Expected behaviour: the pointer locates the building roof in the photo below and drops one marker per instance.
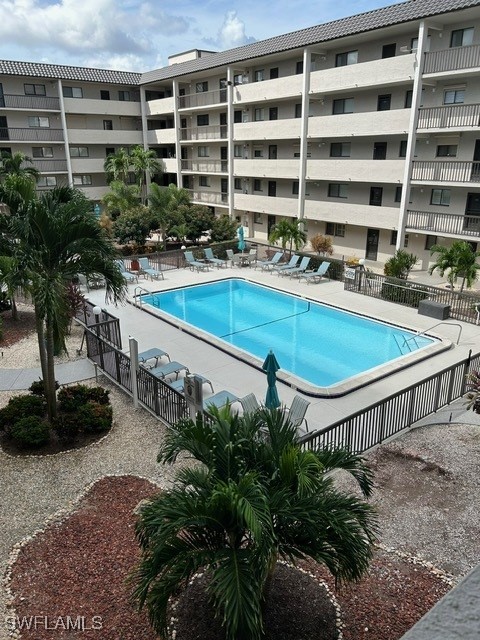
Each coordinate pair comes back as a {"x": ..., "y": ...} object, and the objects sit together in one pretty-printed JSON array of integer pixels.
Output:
[
  {"x": 361, "y": 23},
  {"x": 64, "y": 72}
]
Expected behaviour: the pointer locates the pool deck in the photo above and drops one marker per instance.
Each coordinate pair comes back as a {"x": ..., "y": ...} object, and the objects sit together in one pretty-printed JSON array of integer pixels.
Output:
[{"x": 226, "y": 372}]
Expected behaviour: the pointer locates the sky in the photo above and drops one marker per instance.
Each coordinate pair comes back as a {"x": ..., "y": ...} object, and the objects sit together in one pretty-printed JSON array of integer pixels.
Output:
[{"x": 139, "y": 35}]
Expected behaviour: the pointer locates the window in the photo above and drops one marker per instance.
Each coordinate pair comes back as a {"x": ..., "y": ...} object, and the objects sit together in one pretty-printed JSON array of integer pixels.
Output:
[
  {"x": 447, "y": 150},
  {"x": 384, "y": 102},
  {"x": 346, "y": 58},
  {"x": 238, "y": 151},
  {"x": 201, "y": 87},
  {"x": 388, "y": 50},
  {"x": 42, "y": 152},
  {"x": 440, "y": 197},
  {"x": 398, "y": 194},
  {"x": 394, "y": 236},
  {"x": 257, "y": 185},
  {"x": 203, "y": 120},
  {"x": 343, "y": 105},
  {"x": 273, "y": 73},
  {"x": 124, "y": 96},
  {"x": 104, "y": 94},
  {"x": 34, "y": 89},
  {"x": 408, "y": 98},
  {"x": 334, "y": 229},
  {"x": 379, "y": 150},
  {"x": 402, "y": 152},
  {"x": 259, "y": 115},
  {"x": 340, "y": 149},
  {"x": 108, "y": 125},
  {"x": 337, "y": 190},
  {"x": 259, "y": 75},
  {"x": 72, "y": 92},
  {"x": 273, "y": 113},
  {"x": 414, "y": 44},
  {"x": 257, "y": 218},
  {"x": 237, "y": 183},
  {"x": 237, "y": 116},
  {"x": 454, "y": 96},
  {"x": 298, "y": 110},
  {"x": 37, "y": 121},
  {"x": 131, "y": 178},
  {"x": 47, "y": 181},
  {"x": 461, "y": 37},
  {"x": 299, "y": 67},
  {"x": 80, "y": 181},
  {"x": 109, "y": 151},
  {"x": 203, "y": 152},
  {"x": 295, "y": 188},
  {"x": 238, "y": 78},
  {"x": 430, "y": 241},
  {"x": 258, "y": 153},
  {"x": 79, "y": 152},
  {"x": 203, "y": 181},
  {"x": 376, "y": 194}
]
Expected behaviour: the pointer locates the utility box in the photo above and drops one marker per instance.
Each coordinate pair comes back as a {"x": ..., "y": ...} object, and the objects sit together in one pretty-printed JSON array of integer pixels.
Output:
[
  {"x": 433, "y": 309},
  {"x": 193, "y": 390}
]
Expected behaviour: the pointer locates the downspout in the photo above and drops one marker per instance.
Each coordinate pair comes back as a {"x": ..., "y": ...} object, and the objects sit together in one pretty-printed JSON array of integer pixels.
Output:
[{"x": 65, "y": 133}]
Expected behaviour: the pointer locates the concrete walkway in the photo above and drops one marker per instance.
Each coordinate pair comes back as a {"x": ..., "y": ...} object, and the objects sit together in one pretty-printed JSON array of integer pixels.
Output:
[{"x": 17, "y": 379}]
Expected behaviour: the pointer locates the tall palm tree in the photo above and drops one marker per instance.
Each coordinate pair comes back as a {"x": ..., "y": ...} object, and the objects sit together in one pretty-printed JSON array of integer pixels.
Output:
[
  {"x": 56, "y": 238},
  {"x": 14, "y": 164},
  {"x": 117, "y": 164},
  {"x": 459, "y": 259},
  {"x": 288, "y": 231},
  {"x": 255, "y": 497},
  {"x": 121, "y": 198},
  {"x": 145, "y": 164},
  {"x": 165, "y": 203}
]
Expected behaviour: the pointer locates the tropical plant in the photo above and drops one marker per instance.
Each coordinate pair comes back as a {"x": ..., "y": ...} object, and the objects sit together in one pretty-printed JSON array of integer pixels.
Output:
[
  {"x": 322, "y": 244},
  {"x": 14, "y": 164},
  {"x": 121, "y": 198},
  {"x": 116, "y": 165},
  {"x": 473, "y": 388},
  {"x": 133, "y": 225},
  {"x": 198, "y": 220},
  {"x": 145, "y": 164},
  {"x": 164, "y": 204},
  {"x": 288, "y": 231},
  {"x": 223, "y": 228},
  {"x": 400, "y": 264},
  {"x": 459, "y": 259},
  {"x": 255, "y": 497}
]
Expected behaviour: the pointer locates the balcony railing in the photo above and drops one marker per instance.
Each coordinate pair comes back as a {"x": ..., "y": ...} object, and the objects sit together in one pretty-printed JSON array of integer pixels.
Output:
[
  {"x": 453, "y": 171},
  {"x": 452, "y": 59},
  {"x": 208, "y": 197},
  {"x": 46, "y": 103},
  {"x": 449, "y": 116},
  {"x": 209, "y": 132},
  {"x": 202, "y": 99},
  {"x": 33, "y": 134},
  {"x": 50, "y": 166},
  {"x": 205, "y": 166},
  {"x": 438, "y": 223}
]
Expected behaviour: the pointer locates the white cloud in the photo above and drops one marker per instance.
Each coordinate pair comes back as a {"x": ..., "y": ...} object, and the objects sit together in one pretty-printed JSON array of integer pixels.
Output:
[{"x": 232, "y": 33}]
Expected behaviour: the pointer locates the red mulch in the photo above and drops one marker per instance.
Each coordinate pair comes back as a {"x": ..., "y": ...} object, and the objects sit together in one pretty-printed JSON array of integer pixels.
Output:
[
  {"x": 79, "y": 567},
  {"x": 15, "y": 330}
]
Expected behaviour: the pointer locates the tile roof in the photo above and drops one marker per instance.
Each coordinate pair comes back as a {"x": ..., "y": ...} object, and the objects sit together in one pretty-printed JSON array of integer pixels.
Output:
[
  {"x": 63, "y": 72},
  {"x": 363, "y": 22}
]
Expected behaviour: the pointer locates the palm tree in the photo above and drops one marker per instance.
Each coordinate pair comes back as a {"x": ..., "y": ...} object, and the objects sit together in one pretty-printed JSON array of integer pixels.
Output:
[
  {"x": 145, "y": 164},
  {"x": 117, "y": 164},
  {"x": 164, "y": 204},
  {"x": 256, "y": 496},
  {"x": 56, "y": 238},
  {"x": 459, "y": 260},
  {"x": 13, "y": 164},
  {"x": 121, "y": 198},
  {"x": 288, "y": 231}
]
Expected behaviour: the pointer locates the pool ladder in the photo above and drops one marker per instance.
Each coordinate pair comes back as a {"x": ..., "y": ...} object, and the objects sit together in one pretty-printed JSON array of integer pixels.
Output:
[
  {"x": 137, "y": 296},
  {"x": 422, "y": 333}
]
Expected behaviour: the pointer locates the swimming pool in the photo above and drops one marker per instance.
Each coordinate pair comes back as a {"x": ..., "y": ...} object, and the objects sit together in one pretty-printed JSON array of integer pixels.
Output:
[{"x": 321, "y": 349}]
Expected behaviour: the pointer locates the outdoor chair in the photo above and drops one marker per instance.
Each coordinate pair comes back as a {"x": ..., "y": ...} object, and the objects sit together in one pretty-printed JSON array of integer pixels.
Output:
[
  {"x": 211, "y": 258},
  {"x": 297, "y": 411},
  {"x": 266, "y": 265},
  {"x": 290, "y": 264},
  {"x": 230, "y": 256},
  {"x": 195, "y": 264},
  {"x": 253, "y": 252},
  {"x": 219, "y": 400},
  {"x": 316, "y": 276},
  {"x": 128, "y": 275},
  {"x": 168, "y": 369},
  {"x": 147, "y": 269},
  {"x": 249, "y": 403},
  {"x": 152, "y": 354},
  {"x": 179, "y": 385},
  {"x": 296, "y": 271}
]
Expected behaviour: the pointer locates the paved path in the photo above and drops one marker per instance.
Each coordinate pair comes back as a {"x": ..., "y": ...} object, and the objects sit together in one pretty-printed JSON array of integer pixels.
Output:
[{"x": 16, "y": 379}]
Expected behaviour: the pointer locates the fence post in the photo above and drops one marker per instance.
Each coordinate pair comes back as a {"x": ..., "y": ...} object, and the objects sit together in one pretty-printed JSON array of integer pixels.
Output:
[{"x": 133, "y": 346}]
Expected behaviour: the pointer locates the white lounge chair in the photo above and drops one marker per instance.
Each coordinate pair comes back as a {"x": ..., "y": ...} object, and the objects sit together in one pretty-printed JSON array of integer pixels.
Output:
[
  {"x": 128, "y": 275},
  {"x": 297, "y": 411},
  {"x": 316, "y": 276},
  {"x": 249, "y": 403},
  {"x": 148, "y": 270}
]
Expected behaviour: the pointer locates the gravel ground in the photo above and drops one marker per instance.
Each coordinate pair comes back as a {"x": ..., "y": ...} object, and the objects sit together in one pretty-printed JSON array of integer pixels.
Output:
[{"x": 427, "y": 481}]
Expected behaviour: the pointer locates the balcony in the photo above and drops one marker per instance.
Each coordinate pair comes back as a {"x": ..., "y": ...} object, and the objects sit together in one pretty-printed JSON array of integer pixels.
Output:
[
  {"x": 162, "y": 106},
  {"x": 50, "y": 166},
  {"x": 352, "y": 213},
  {"x": 264, "y": 204},
  {"x": 118, "y": 137},
  {"x": 285, "y": 129},
  {"x": 209, "y": 132},
  {"x": 458, "y": 116},
  {"x": 366, "y": 170},
  {"x": 161, "y": 136},
  {"x": 89, "y": 106},
  {"x": 208, "y": 197},
  {"x": 265, "y": 168},
  {"x": 32, "y": 134},
  {"x": 448, "y": 224},
  {"x": 38, "y": 103},
  {"x": 277, "y": 89},
  {"x": 452, "y": 59},
  {"x": 202, "y": 99},
  {"x": 378, "y": 123},
  {"x": 205, "y": 166},
  {"x": 454, "y": 171}
]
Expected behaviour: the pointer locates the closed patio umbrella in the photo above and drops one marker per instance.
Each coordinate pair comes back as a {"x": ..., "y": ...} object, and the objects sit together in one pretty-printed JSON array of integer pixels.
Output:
[
  {"x": 241, "y": 238},
  {"x": 271, "y": 366}
]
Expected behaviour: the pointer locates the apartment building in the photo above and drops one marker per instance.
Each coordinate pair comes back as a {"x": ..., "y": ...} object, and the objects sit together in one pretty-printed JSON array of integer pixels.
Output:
[{"x": 365, "y": 128}]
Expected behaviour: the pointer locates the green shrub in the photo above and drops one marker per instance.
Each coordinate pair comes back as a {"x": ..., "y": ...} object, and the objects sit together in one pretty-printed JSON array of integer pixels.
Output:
[
  {"x": 67, "y": 426},
  {"x": 98, "y": 394},
  {"x": 30, "y": 432},
  {"x": 403, "y": 292},
  {"x": 20, "y": 407},
  {"x": 94, "y": 417},
  {"x": 37, "y": 388},
  {"x": 73, "y": 398}
]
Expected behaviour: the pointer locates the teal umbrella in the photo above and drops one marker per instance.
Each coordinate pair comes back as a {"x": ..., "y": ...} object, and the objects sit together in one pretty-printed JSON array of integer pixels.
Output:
[
  {"x": 241, "y": 238},
  {"x": 271, "y": 366}
]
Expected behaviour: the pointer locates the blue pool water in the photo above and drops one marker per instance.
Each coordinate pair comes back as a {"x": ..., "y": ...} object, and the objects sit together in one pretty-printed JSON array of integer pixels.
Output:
[{"x": 317, "y": 343}]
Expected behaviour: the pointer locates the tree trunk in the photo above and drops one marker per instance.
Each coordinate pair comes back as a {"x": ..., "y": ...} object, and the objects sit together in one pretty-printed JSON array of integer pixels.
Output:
[
  {"x": 14, "y": 308},
  {"x": 49, "y": 380},
  {"x": 268, "y": 580},
  {"x": 41, "y": 344}
]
